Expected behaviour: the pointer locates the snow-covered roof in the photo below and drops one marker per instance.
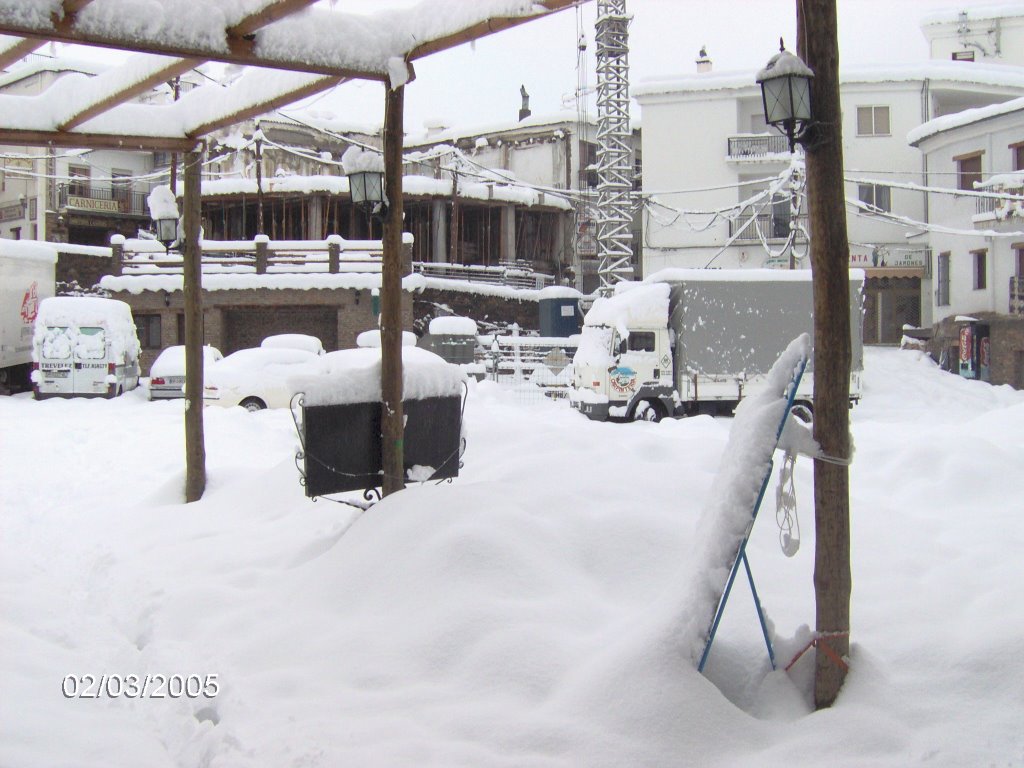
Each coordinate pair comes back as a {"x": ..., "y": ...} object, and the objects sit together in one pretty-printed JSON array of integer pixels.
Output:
[
  {"x": 452, "y": 325},
  {"x": 994, "y": 75},
  {"x": 302, "y": 281},
  {"x": 640, "y": 306},
  {"x": 974, "y": 13},
  {"x": 411, "y": 186},
  {"x": 30, "y": 250},
  {"x": 960, "y": 119},
  {"x": 453, "y": 133},
  {"x": 41, "y": 64}
]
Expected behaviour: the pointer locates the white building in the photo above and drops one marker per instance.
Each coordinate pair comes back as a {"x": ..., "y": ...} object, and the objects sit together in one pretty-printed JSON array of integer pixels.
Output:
[
  {"x": 80, "y": 196},
  {"x": 707, "y": 149},
  {"x": 992, "y": 33},
  {"x": 977, "y": 241}
]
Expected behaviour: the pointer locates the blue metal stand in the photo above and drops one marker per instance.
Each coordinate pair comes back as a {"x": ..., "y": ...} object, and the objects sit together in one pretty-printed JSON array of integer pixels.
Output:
[{"x": 741, "y": 553}]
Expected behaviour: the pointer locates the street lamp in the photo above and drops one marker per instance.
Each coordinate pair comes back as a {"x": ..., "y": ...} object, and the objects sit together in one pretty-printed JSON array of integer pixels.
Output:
[
  {"x": 786, "y": 92},
  {"x": 163, "y": 209},
  {"x": 365, "y": 171}
]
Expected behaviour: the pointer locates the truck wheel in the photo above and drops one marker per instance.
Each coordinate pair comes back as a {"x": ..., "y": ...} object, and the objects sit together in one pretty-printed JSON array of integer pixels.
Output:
[
  {"x": 803, "y": 412},
  {"x": 253, "y": 404},
  {"x": 649, "y": 411}
]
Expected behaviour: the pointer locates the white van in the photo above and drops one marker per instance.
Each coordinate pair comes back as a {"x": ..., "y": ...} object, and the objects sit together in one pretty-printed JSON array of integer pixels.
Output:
[{"x": 84, "y": 345}]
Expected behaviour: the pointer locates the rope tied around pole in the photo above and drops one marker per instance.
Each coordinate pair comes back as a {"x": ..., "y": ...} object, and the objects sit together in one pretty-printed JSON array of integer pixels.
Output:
[{"x": 818, "y": 641}]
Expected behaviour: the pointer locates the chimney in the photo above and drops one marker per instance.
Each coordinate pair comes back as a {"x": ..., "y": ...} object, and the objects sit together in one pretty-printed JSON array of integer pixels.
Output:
[
  {"x": 524, "y": 111},
  {"x": 703, "y": 62}
]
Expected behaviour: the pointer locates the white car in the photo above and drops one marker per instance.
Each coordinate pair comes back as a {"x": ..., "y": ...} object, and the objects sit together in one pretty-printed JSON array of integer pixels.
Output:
[
  {"x": 167, "y": 374},
  {"x": 258, "y": 378}
]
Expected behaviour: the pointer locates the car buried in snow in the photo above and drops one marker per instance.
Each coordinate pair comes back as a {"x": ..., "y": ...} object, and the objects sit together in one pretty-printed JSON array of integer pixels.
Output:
[
  {"x": 258, "y": 378},
  {"x": 167, "y": 374}
]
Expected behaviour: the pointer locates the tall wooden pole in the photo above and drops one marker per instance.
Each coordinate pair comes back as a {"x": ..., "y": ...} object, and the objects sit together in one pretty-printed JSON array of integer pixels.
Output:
[
  {"x": 830, "y": 258},
  {"x": 392, "y": 421},
  {"x": 195, "y": 447}
]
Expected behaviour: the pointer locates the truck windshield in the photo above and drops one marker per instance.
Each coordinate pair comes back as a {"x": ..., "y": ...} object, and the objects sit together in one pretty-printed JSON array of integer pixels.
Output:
[
  {"x": 56, "y": 344},
  {"x": 90, "y": 344}
]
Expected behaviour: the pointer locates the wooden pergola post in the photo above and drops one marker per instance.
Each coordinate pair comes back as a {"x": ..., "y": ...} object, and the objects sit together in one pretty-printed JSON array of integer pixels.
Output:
[
  {"x": 195, "y": 447},
  {"x": 392, "y": 421},
  {"x": 818, "y": 46}
]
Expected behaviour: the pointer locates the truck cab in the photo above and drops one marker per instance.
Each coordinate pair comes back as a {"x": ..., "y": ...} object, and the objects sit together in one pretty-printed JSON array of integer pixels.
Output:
[{"x": 623, "y": 366}]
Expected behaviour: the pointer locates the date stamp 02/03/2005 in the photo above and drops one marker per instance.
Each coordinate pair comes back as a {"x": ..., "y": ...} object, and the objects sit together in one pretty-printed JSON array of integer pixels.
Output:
[{"x": 140, "y": 686}]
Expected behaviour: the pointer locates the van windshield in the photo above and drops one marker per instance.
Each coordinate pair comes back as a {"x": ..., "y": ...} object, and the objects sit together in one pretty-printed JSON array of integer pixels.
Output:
[
  {"x": 56, "y": 344},
  {"x": 90, "y": 344}
]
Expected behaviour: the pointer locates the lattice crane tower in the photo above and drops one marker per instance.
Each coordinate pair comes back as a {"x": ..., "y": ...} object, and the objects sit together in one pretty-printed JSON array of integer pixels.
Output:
[{"x": 614, "y": 160}]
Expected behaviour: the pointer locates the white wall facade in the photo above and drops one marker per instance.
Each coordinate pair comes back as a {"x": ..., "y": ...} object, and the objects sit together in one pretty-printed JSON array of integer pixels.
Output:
[
  {"x": 993, "y": 33},
  {"x": 688, "y": 123},
  {"x": 994, "y": 235}
]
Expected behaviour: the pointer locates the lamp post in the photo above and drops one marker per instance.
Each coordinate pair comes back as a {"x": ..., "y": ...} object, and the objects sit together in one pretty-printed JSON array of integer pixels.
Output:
[
  {"x": 786, "y": 93},
  {"x": 163, "y": 209},
  {"x": 365, "y": 172}
]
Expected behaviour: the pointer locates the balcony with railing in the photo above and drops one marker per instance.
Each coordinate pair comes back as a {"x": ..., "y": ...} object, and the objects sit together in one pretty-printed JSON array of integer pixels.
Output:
[
  {"x": 758, "y": 146},
  {"x": 765, "y": 226},
  {"x": 114, "y": 200}
]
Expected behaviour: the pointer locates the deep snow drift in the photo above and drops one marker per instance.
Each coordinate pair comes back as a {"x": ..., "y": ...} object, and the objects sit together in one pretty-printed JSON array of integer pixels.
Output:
[{"x": 520, "y": 616}]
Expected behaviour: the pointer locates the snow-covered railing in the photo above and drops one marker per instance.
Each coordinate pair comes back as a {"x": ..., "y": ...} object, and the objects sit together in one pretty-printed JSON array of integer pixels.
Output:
[
  {"x": 259, "y": 256},
  {"x": 512, "y": 277},
  {"x": 546, "y": 361}
]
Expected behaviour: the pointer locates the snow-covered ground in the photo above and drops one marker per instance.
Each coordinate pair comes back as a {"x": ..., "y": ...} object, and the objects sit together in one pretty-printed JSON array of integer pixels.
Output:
[{"x": 516, "y": 617}]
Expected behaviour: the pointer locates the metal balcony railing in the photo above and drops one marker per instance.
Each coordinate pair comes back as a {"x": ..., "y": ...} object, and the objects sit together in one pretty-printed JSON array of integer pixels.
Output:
[
  {"x": 110, "y": 200},
  {"x": 770, "y": 226},
  {"x": 757, "y": 145}
]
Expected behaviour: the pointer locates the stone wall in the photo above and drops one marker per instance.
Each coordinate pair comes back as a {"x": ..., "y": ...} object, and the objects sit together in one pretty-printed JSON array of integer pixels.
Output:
[{"x": 485, "y": 310}]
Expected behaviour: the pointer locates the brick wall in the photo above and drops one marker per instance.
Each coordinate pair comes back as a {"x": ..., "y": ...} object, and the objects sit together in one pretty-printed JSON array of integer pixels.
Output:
[
  {"x": 235, "y": 319},
  {"x": 1006, "y": 338},
  {"x": 82, "y": 269}
]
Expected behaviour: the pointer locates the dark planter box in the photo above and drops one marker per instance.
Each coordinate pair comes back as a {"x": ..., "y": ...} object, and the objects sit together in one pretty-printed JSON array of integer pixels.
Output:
[{"x": 342, "y": 443}]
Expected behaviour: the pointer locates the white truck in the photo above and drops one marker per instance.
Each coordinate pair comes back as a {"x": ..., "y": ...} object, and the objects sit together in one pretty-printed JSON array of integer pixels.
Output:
[
  {"x": 688, "y": 341},
  {"x": 84, "y": 346},
  {"x": 26, "y": 278}
]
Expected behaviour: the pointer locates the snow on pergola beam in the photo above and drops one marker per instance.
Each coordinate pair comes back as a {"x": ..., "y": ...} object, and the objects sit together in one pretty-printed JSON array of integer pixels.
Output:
[
  {"x": 316, "y": 49},
  {"x": 283, "y": 34}
]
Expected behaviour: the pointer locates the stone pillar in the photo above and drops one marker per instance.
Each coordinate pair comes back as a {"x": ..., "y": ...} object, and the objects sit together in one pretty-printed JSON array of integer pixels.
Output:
[
  {"x": 439, "y": 231},
  {"x": 334, "y": 254},
  {"x": 116, "y": 254},
  {"x": 262, "y": 248},
  {"x": 507, "y": 252}
]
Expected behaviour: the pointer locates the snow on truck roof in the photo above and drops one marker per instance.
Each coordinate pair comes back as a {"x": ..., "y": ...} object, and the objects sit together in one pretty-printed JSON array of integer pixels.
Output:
[
  {"x": 84, "y": 310},
  {"x": 638, "y": 306},
  {"x": 29, "y": 250}
]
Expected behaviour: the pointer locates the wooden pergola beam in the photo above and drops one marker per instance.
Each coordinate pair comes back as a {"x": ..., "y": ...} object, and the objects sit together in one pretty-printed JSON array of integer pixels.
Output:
[
  {"x": 17, "y": 50},
  {"x": 265, "y": 105},
  {"x": 169, "y": 72},
  {"x": 274, "y": 12},
  {"x": 484, "y": 28},
  {"x": 96, "y": 141}
]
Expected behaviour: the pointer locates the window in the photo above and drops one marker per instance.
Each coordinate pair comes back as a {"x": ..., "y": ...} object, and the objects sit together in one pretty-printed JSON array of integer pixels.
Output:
[
  {"x": 873, "y": 121},
  {"x": 1018, "y": 251},
  {"x": 79, "y": 183},
  {"x": 1017, "y": 156},
  {"x": 942, "y": 280},
  {"x": 641, "y": 341},
  {"x": 963, "y": 55},
  {"x": 15, "y": 233},
  {"x": 968, "y": 170},
  {"x": 121, "y": 185},
  {"x": 148, "y": 327},
  {"x": 877, "y": 196},
  {"x": 980, "y": 277},
  {"x": 588, "y": 164}
]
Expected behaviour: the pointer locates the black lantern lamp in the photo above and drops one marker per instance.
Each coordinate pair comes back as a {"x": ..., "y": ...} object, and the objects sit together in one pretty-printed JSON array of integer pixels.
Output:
[
  {"x": 365, "y": 172},
  {"x": 786, "y": 91},
  {"x": 367, "y": 190},
  {"x": 163, "y": 209}
]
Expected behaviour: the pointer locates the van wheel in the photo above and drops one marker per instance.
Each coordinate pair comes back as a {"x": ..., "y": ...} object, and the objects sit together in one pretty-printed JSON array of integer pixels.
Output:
[
  {"x": 649, "y": 411},
  {"x": 253, "y": 404},
  {"x": 803, "y": 412}
]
